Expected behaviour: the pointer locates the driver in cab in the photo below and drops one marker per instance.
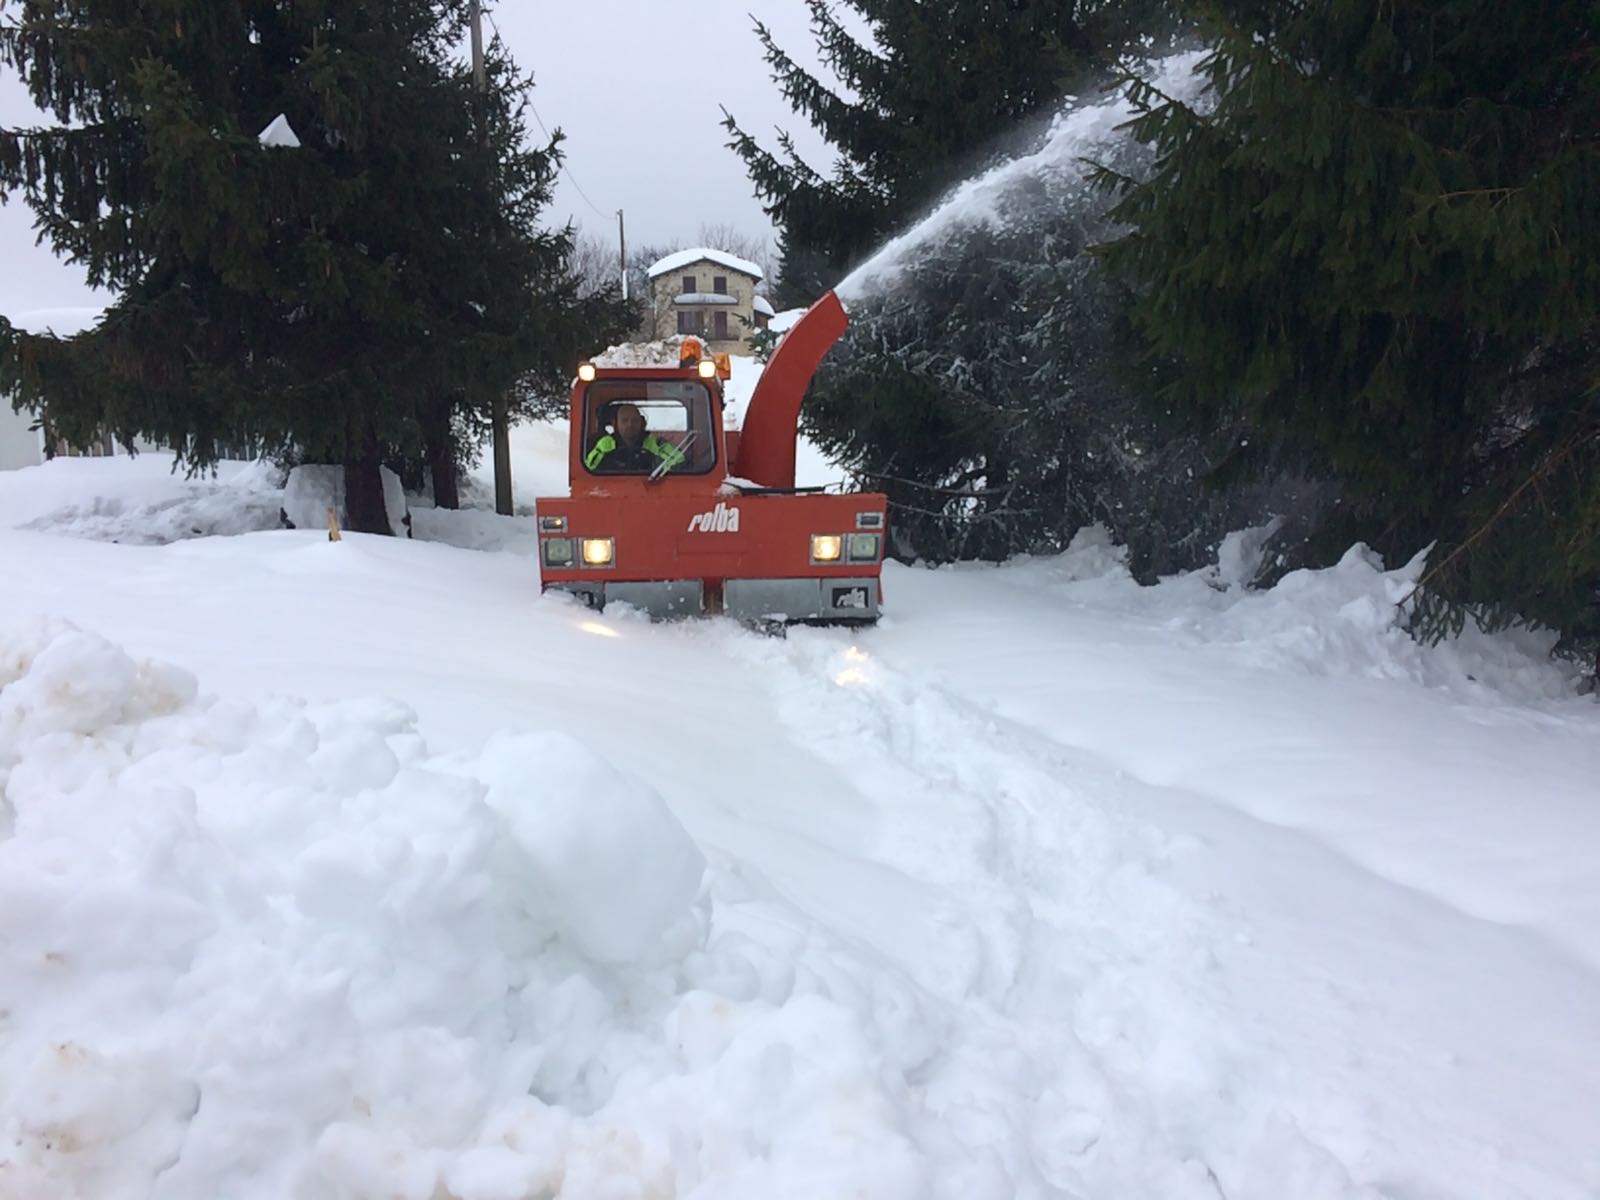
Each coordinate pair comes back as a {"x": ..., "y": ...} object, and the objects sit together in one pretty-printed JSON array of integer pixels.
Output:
[{"x": 632, "y": 447}]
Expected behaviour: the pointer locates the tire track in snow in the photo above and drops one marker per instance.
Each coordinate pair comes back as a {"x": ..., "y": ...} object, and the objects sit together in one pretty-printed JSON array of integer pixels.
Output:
[{"x": 1092, "y": 1052}]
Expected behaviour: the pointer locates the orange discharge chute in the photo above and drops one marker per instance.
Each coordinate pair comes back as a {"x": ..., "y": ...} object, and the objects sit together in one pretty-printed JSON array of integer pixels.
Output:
[{"x": 772, "y": 421}]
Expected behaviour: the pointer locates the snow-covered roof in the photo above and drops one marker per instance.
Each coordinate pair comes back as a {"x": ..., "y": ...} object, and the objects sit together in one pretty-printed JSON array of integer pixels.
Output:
[
  {"x": 683, "y": 258},
  {"x": 764, "y": 308},
  {"x": 705, "y": 298}
]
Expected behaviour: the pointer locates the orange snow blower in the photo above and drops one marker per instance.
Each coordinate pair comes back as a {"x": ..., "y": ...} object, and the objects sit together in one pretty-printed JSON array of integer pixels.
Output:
[{"x": 676, "y": 513}]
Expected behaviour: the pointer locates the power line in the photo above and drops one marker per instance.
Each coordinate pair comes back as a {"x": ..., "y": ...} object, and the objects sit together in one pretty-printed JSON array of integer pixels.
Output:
[{"x": 565, "y": 170}]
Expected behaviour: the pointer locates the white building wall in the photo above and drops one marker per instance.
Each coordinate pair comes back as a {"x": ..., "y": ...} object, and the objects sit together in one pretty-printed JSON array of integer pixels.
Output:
[{"x": 19, "y": 445}]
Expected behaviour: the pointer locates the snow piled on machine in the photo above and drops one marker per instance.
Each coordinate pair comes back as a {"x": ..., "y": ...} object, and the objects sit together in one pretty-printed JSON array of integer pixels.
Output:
[
  {"x": 665, "y": 352},
  {"x": 661, "y": 353}
]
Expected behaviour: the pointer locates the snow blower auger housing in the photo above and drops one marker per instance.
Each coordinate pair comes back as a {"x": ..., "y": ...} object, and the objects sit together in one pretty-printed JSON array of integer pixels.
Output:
[{"x": 676, "y": 513}]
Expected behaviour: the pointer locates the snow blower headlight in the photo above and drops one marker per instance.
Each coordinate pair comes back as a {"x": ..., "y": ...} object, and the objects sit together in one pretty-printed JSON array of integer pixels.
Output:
[
  {"x": 586, "y": 372},
  {"x": 863, "y": 547},
  {"x": 826, "y": 547},
  {"x": 557, "y": 552},
  {"x": 598, "y": 552},
  {"x": 707, "y": 368}
]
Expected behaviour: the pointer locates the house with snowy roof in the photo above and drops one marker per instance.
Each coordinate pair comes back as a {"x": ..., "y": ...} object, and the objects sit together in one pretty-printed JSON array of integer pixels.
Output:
[{"x": 710, "y": 294}]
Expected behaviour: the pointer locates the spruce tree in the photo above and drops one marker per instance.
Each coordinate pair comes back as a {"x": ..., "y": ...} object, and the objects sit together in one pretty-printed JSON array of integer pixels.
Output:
[
  {"x": 1379, "y": 246},
  {"x": 971, "y": 391},
  {"x": 354, "y": 297},
  {"x": 506, "y": 312},
  {"x": 913, "y": 110}
]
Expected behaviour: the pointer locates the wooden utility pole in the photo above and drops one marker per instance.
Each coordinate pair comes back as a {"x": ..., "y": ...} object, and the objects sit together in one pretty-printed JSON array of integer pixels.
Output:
[
  {"x": 622, "y": 254},
  {"x": 500, "y": 413},
  {"x": 478, "y": 76}
]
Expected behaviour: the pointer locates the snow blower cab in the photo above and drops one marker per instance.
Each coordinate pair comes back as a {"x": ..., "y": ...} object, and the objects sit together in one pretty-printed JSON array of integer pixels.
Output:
[{"x": 673, "y": 512}]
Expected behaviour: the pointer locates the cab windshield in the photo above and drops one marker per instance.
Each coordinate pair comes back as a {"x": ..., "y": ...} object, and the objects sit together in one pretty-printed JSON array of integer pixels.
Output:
[{"x": 648, "y": 427}]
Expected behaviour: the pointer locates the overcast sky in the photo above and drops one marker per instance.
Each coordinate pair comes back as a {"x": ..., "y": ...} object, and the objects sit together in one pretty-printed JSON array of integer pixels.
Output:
[{"x": 634, "y": 84}]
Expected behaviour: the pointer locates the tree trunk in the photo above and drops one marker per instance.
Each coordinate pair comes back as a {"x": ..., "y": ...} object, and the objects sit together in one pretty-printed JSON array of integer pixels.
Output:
[
  {"x": 364, "y": 510},
  {"x": 995, "y": 541},
  {"x": 441, "y": 452},
  {"x": 447, "y": 492}
]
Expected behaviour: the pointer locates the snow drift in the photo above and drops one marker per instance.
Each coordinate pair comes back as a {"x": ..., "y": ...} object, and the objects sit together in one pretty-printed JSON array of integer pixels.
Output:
[{"x": 277, "y": 950}]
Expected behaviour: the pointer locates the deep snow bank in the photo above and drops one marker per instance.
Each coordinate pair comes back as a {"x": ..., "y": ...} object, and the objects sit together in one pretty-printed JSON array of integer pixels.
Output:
[
  {"x": 143, "y": 502},
  {"x": 1346, "y": 620},
  {"x": 140, "y": 501},
  {"x": 277, "y": 951}
]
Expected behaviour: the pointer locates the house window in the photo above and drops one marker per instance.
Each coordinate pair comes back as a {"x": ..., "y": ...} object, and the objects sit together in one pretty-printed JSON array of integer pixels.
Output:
[
  {"x": 719, "y": 284},
  {"x": 690, "y": 321},
  {"x": 719, "y": 324},
  {"x": 688, "y": 285}
]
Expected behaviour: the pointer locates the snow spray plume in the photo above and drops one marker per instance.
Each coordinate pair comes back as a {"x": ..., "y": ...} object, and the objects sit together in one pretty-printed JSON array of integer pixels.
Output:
[
  {"x": 981, "y": 386},
  {"x": 1054, "y": 174}
]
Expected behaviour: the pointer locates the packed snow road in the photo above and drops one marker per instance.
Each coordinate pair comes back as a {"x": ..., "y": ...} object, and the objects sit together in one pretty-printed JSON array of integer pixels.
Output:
[{"x": 1050, "y": 886}]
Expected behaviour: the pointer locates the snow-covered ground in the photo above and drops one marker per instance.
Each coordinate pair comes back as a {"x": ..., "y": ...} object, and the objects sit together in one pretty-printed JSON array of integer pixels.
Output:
[{"x": 361, "y": 870}]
